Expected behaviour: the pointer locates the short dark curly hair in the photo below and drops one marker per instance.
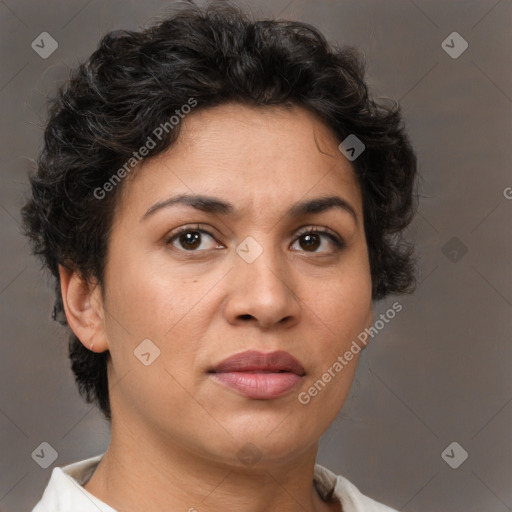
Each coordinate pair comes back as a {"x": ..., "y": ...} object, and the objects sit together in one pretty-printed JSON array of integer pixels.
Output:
[{"x": 136, "y": 80}]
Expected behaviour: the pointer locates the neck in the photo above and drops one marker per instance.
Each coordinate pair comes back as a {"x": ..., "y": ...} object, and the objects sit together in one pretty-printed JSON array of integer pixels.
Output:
[{"x": 140, "y": 472}]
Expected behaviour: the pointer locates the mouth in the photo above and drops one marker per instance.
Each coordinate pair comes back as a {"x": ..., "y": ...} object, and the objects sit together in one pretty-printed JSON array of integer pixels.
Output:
[{"x": 259, "y": 375}]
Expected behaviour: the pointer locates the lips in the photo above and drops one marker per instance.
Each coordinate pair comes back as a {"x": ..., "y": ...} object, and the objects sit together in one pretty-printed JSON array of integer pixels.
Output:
[{"x": 259, "y": 375}]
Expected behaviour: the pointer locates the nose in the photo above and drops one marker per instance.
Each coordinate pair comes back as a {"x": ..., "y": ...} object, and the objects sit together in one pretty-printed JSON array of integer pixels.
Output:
[{"x": 263, "y": 292}]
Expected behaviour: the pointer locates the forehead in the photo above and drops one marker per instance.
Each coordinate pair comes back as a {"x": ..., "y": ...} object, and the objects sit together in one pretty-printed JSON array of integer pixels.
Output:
[{"x": 254, "y": 156}]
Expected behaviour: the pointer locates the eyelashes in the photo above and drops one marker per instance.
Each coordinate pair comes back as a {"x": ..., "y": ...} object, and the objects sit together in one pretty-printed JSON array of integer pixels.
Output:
[
  {"x": 312, "y": 231},
  {"x": 190, "y": 238}
]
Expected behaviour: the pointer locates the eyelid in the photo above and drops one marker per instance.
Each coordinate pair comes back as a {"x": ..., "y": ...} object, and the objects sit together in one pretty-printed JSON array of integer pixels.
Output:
[
  {"x": 321, "y": 230},
  {"x": 325, "y": 231},
  {"x": 184, "y": 229},
  {"x": 318, "y": 229}
]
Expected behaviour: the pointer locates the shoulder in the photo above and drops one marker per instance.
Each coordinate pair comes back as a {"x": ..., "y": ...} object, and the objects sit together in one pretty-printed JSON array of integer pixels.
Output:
[
  {"x": 64, "y": 491},
  {"x": 349, "y": 496}
]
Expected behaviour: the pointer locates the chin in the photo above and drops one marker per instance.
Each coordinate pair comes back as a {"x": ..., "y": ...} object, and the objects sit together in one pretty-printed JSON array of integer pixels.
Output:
[{"x": 263, "y": 445}]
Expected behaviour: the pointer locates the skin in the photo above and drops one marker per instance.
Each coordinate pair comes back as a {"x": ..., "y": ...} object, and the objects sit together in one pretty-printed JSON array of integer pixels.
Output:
[{"x": 175, "y": 431}]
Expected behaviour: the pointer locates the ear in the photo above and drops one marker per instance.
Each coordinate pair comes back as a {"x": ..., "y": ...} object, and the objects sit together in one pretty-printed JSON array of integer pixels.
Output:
[{"x": 84, "y": 310}]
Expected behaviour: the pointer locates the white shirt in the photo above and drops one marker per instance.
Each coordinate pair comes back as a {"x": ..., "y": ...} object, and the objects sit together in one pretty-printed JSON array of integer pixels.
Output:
[{"x": 64, "y": 492}]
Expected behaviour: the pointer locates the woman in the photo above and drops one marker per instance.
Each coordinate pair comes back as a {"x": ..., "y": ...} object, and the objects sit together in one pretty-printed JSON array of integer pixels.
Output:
[{"x": 220, "y": 203}]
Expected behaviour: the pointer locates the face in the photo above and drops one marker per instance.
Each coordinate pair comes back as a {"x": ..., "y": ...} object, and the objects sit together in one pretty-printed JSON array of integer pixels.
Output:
[{"x": 254, "y": 269}]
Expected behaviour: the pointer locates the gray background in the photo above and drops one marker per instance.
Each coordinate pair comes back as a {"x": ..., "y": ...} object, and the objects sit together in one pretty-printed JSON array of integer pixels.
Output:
[{"x": 438, "y": 373}]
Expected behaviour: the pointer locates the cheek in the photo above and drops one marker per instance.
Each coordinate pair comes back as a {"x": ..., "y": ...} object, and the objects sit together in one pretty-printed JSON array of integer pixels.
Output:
[
  {"x": 342, "y": 311},
  {"x": 345, "y": 304},
  {"x": 165, "y": 307},
  {"x": 148, "y": 301},
  {"x": 146, "y": 305}
]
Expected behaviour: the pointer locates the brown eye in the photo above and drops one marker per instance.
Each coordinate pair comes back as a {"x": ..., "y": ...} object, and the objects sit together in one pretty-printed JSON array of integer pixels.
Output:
[
  {"x": 190, "y": 239},
  {"x": 312, "y": 239}
]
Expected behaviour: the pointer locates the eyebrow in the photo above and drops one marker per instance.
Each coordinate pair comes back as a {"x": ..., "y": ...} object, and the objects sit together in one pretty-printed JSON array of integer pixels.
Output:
[{"x": 214, "y": 205}]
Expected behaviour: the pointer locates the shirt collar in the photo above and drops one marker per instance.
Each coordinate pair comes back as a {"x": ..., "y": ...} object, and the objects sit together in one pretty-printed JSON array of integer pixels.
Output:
[{"x": 64, "y": 491}]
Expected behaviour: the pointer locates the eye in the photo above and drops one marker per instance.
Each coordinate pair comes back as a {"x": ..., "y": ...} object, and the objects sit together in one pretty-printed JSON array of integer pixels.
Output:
[
  {"x": 190, "y": 239},
  {"x": 312, "y": 238}
]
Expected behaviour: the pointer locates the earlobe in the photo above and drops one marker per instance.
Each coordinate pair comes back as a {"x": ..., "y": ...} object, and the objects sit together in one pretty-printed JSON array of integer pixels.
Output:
[{"x": 84, "y": 309}]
